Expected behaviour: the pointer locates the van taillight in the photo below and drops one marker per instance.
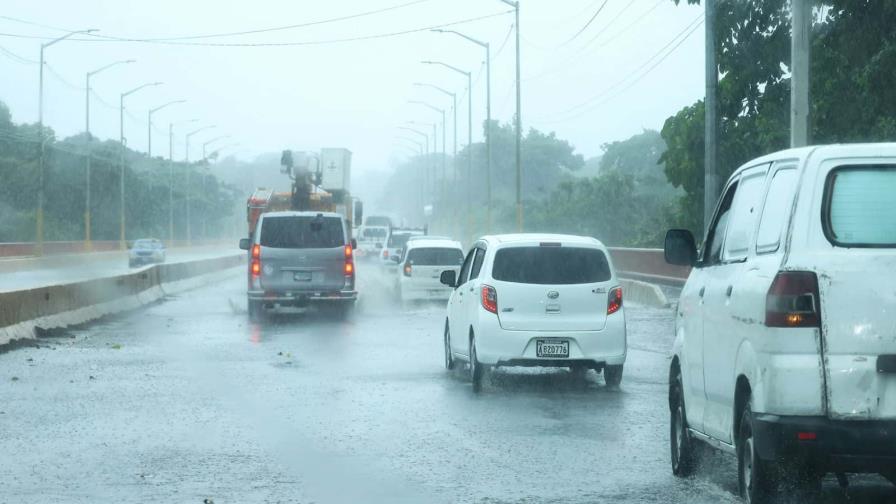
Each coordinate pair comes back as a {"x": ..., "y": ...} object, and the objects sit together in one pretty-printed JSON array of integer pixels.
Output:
[
  {"x": 256, "y": 251},
  {"x": 349, "y": 268},
  {"x": 792, "y": 300},
  {"x": 256, "y": 267},
  {"x": 408, "y": 269},
  {"x": 614, "y": 300},
  {"x": 348, "y": 251},
  {"x": 490, "y": 298}
]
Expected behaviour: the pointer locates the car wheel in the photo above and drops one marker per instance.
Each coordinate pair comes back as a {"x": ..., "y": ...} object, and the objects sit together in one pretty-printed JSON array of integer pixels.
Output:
[
  {"x": 756, "y": 478},
  {"x": 255, "y": 311},
  {"x": 613, "y": 375},
  {"x": 449, "y": 357},
  {"x": 476, "y": 369},
  {"x": 685, "y": 455}
]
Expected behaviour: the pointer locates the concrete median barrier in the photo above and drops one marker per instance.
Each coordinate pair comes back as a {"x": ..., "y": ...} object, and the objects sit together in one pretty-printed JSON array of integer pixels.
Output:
[
  {"x": 24, "y": 312},
  {"x": 643, "y": 293}
]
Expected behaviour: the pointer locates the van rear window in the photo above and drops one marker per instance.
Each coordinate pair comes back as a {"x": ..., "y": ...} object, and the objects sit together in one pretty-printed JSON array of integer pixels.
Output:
[
  {"x": 860, "y": 209},
  {"x": 302, "y": 232},
  {"x": 551, "y": 265}
]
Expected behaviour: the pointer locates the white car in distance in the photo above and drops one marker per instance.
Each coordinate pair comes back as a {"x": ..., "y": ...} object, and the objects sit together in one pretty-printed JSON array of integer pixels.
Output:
[
  {"x": 421, "y": 266},
  {"x": 536, "y": 300}
]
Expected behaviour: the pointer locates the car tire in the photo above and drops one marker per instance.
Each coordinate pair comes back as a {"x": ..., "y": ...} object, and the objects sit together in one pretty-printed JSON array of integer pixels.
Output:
[
  {"x": 756, "y": 478},
  {"x": 685, "y": 454},
  {"x": 255, "y": 311},
  {"x": 613, "y": 375},
  {"x": 477, "y": 372},
  {"x": 450, "y": 364}
]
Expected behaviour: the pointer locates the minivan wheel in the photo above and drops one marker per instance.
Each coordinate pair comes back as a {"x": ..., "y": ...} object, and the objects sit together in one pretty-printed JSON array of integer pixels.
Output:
[
  {"x": 476, "y": 369},
  {"x": 613, "y": 375},
  {"x": 755, "y": 477},
  {"x": 685, "y": 454},
  {"x": 449, "y": 357}
]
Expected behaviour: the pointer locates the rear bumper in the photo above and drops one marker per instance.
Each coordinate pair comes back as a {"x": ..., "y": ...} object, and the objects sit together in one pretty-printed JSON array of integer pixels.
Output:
[
  {"x": 302, "y": 298},
  {"x": 861, "y": 446}
]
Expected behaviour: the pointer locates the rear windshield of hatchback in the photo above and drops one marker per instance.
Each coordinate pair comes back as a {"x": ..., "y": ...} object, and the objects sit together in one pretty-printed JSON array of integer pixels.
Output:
[
  {"x": 302, "y": 232},
  {"x": 435, "y": 256},
  {"x": 860, "y": 208},
  {"x": 551, "y": 265}
]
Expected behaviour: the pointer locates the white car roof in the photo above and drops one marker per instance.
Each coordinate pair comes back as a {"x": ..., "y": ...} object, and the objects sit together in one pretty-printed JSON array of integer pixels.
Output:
[
  {"x": 535, "y": 238},
  {"x": 436, "y": 243},
  {"x": 865, "y": 150}
]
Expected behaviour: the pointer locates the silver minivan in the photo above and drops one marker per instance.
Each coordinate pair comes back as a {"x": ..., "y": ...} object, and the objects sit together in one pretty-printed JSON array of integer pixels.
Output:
[{"x": 300, "y": 258}]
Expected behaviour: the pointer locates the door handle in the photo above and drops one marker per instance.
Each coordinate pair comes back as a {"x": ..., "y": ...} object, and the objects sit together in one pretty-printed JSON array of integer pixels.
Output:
[
  {"x": 702, "y": 290},
  {"x": 728, "y": 292}
]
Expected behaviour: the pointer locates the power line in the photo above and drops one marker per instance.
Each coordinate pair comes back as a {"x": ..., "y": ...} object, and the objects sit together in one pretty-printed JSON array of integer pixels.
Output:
[
  {"x": 636, "y": 79},
  {"x": 276, "y": 44},
  {"x": 586, "y": 24},
  {"x": 18, "y": 59},
  {"x": 56, "y": 75},
  {"x": 503, "y": 44}
]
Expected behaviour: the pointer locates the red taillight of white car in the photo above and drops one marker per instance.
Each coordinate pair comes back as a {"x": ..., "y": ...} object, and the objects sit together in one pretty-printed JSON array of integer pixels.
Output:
[
  {"x": 408, "y": 269},
  {"x": 385, "y": 254},
  {"x": 489, "y": 298},
  {"x": 792, "y": 300},
  {"x": 614, "y": 300}
]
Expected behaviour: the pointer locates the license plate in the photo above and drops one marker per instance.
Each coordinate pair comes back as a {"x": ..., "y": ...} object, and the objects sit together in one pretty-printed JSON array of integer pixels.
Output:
[
  {"x": 302, "y": 276},
  {"x": 551, "y": 348}
]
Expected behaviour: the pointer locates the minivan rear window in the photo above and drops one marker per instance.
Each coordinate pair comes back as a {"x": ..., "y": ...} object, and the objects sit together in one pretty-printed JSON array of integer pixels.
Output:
[
  {"x": 551, "y": 265},
  {"x": 860, "y": 207},
  {"x": 302, "y": 232},
  {"x": 435, "y": 256}
]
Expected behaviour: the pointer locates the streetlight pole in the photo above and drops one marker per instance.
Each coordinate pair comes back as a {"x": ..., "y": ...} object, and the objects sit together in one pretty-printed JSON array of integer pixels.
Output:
[
  {"x": 171, "y": 178},
  {"x": 39, "y": 221},
  {"x": 187, "y": 184},
  {"x": 444, "y": 154},
  {"x": 121, "y": 228},
  {"x": 205, "y": 182},
  {"x": 423, "y": 177},
  {"x": 469, "y": 139},
  {"x": 149, "y": 124},
  {"x": 488, "y": 122},
  {"x": 454, "y": 121},
  {"x": 518, "y": 119},
  {"x": 87, "y": 242}
]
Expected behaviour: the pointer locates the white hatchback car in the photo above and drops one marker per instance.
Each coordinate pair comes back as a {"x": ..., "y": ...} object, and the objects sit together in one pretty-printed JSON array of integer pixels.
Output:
[
  {"x": 421, "y": 266},
  {"x": 536, "y": 300},
  {"x": 785, "y": 337}
]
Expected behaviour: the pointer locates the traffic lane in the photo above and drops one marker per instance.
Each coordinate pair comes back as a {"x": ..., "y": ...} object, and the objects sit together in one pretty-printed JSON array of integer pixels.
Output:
[
  {"x": 54, "y": 270},
  {"x": 189, "y": 401}
]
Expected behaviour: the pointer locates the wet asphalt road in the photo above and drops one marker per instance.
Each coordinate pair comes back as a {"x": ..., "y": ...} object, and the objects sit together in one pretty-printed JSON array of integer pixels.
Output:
[{"x": 185, "y": 400}]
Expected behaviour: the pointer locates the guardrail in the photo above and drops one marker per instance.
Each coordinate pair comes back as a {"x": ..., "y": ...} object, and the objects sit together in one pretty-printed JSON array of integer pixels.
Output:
[
  {"x": 29, "y": 249},
  {"x": 648, "y": 265}
]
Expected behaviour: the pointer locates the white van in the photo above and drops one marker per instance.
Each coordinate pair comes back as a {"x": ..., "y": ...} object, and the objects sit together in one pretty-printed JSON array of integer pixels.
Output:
[{"x": 785, "y": 338}]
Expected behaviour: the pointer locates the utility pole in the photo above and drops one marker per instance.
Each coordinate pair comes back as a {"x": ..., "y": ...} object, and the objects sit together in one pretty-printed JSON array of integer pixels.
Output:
[
  {"x": 149, "y": 124},
  {"x": 518, "y": 120},
  {"x": 801, "y": 12},
  {"x": 187, "y": 183},
  {"x": 87, "y": 243},
  {"x": 423, "y": 177},
  {"x": 488, "y": 122},
  {"x": 171, "y": 178},
  {"x": 39, "y": 221},
  {"x": 122, "y": 244},
  {"x": 711, "y": 152}
]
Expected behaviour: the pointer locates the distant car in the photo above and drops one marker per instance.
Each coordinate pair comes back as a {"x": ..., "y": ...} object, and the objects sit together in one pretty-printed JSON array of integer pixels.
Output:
[
  {"x": 371, "y": 240},
  {"x": 395, "y": 244},
  {"x": 298, "y": 259},
  {"x": 536, "y": 300},
  {"x": 785, "y": 335},
  {"x": 421, "y": 267},
  {"x": 146, "y": 251}
]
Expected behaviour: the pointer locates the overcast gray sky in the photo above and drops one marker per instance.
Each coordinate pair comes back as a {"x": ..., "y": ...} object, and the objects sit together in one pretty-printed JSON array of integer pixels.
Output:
[{"x": 589, "y": 89}]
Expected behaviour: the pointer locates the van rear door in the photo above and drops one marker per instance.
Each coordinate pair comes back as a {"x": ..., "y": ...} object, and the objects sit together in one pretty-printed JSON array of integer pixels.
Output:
[
  {"x": 552, "y": 287},
  {"x": 857, "y": 288},
  {"x": 302, "y": 253},
  {"x": 426, "y": 264}
]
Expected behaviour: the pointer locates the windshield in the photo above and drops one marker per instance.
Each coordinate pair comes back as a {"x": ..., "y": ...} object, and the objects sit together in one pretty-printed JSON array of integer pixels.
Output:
[
  {"x": 551, "y": 265},
  {"x": 568, "y": 252},
  {"x": 435, "y": 256},
  {"x": 302, "y": 232}
]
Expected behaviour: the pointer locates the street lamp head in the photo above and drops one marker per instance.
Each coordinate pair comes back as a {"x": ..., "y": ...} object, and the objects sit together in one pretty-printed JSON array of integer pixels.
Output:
[
  {"x": 130, "y": 61},
  {"x": 92, "y": 30}
]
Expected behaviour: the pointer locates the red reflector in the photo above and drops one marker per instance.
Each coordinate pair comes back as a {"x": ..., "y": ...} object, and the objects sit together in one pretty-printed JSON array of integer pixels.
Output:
[
  {"x": 806, "y": 436},
  {"x": 490, "y": 298},
  {"x": 614, "y": 301},
  {"x": 256, "y": 251}
]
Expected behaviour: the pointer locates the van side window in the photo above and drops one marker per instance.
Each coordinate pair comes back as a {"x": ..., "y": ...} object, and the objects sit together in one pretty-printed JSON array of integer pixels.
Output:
[
  {"x": 713, "y": 248},
  {"x": 465, "y": 269},
  {"x": 776, "y": 210},
  {"x": 744, "y": 213},
  {"x": 477, "y": 263}
]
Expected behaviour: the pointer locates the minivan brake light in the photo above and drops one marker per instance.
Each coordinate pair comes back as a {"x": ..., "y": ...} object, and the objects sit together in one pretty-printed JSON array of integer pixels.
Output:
[{"x": 792, "y": 300}]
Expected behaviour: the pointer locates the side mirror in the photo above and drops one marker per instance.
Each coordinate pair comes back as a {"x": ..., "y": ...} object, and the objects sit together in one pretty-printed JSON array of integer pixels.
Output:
[
  {"x": 449, "y": 278},
  {"x": 396, "y": 259},
  {"x": 244, "y": 244},
  {"x": 354, "y": 243},
  {"x": 680, "y": 248}
]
